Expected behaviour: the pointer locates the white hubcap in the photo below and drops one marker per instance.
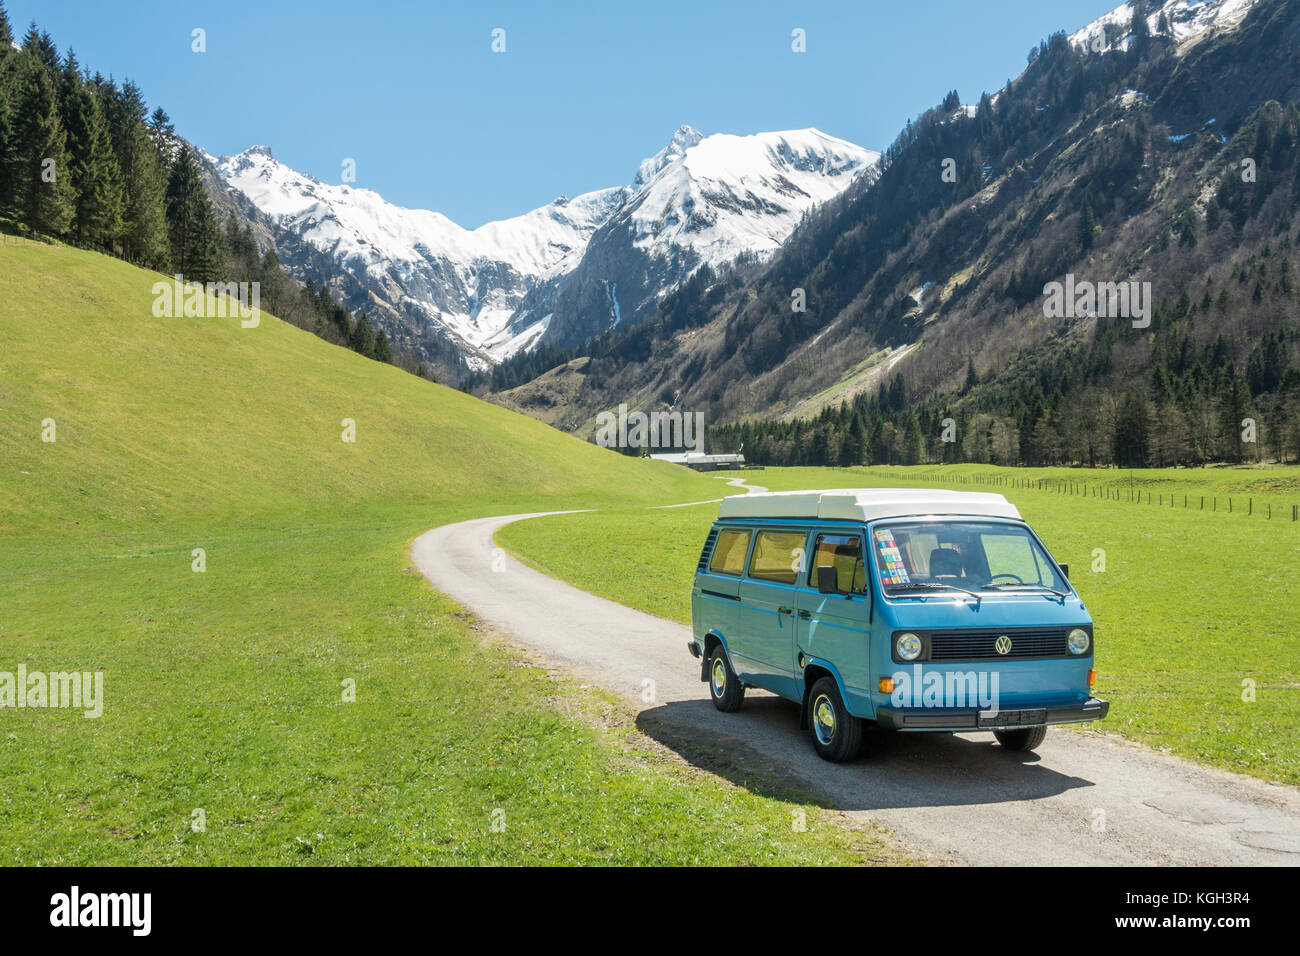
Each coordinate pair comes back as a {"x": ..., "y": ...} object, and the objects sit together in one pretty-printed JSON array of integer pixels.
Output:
[
  {"x": 824, "y": 719},
  {"x": 719, "y": 677}
]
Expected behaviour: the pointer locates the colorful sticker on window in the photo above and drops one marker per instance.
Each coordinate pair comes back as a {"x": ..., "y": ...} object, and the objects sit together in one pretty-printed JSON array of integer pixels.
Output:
[{"x": 892, "y": 571}]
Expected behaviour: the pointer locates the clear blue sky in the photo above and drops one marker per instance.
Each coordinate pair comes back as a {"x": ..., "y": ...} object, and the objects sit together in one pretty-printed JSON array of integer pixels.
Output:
[{"x": 411, "y": 90}]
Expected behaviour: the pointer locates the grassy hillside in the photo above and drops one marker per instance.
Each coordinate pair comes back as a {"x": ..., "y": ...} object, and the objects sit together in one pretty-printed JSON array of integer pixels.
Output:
[
  {"x": 225, "y": 689},
  {"x": 160, "y": 419},
  {"x": 1189, "y": 603}
]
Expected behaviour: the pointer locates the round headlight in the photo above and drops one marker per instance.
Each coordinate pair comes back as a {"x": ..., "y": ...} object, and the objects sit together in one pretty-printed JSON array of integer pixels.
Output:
[
  {"x": 908, "y": 647},
  {"x": 1079, "y": 641}
]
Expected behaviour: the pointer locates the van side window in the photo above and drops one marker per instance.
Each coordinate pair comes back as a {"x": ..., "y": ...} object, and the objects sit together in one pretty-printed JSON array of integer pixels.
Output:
[
  {"x": 778, "y": 556},
  {"x": 729, "y": 553},
  {"x": 843, "y": 552}
]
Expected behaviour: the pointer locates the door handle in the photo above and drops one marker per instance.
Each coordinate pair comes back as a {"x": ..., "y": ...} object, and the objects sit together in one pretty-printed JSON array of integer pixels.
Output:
[
  {"x": 785, "y": 610},
  {"x": 805, "y": 614}
]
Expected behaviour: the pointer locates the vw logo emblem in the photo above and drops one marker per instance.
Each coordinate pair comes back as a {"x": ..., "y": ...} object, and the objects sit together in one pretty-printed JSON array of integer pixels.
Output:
[{"x": 1002, "y": 645}]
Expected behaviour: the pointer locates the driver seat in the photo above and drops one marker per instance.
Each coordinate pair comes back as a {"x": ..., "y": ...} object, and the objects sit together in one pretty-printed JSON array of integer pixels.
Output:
[{"x": 946, "y": 563}]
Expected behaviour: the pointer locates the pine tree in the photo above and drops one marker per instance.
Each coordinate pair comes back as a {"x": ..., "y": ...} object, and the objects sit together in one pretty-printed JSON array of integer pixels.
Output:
[
  {"x": 41, "y": 48},
  {"x": 99, "y": 205},
  {"x": 1139, "y": 27},
  {"x": 913, "y": 441},
  {"x": 69, "y": 81},
  {"x": 1130, "y": 447},
  {"x": 241, "y": 249},
  {"x": 382, "y": 353},
  {"x": 362, "y": 339},
  {"x": 8, "y": 66},
  {"x": 196, "y": 250},
  {"x": 144, "y": 180},
  {"x": 1087, "y": 226},
  {"x": 42, "y": 189},
  {"x": 163, "y": 135},
  {"x": 1233, "y": 399}
]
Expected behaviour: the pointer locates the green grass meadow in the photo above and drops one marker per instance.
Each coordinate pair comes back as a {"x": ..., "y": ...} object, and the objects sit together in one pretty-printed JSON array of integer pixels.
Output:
[
  {"x": 226, "y": 737},
  {"x": 1189, "y": 605}
]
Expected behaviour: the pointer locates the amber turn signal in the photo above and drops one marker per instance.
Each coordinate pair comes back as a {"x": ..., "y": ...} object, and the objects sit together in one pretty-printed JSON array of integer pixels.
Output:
[
  {"x": 886, "y": 685},
  {"x": 1092, "y": 678}
]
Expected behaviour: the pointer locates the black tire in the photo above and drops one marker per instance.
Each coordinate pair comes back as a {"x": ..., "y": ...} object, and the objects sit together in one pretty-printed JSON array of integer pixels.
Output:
[
  {"x": 725, "y": 688},
  {"x": 1023, "y": 739},
  {"x": 836, "y": 734}
]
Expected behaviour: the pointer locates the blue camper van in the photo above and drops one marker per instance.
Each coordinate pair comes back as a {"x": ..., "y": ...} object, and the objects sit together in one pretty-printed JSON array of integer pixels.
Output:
[{"x": 912, "y": 609}]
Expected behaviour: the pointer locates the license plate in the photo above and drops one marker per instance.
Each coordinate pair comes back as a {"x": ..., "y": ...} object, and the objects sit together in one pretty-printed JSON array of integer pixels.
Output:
[{"x": 1013, "y": 718}]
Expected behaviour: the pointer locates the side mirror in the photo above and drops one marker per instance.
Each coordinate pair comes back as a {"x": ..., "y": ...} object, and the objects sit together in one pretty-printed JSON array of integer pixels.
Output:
[
  {"x": 1065, "y": 570},
  {"x": 828, "y": 579}
]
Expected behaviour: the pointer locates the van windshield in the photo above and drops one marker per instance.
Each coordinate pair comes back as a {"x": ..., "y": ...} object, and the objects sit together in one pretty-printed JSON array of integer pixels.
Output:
[{"x": 964, "y": 556}]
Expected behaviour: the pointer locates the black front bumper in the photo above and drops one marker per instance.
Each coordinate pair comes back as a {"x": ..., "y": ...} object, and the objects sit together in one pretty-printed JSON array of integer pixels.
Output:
[{"x": 916, "y": 718}]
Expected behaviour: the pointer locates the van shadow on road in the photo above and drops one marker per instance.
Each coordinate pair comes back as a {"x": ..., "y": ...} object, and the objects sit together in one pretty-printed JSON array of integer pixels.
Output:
[{"x": 895, "y": 770}]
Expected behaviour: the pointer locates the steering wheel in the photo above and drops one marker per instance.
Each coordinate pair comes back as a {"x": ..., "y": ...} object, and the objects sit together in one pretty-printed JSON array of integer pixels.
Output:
[{"x": 1019, "y": 579}]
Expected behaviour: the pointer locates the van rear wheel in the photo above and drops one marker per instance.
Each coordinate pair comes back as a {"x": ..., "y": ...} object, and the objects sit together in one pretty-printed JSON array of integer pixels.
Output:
[
  {"x": 725, "y": 688},
  {"x": 836, "y": 734},
  {"x": 1023, "y": 739}
]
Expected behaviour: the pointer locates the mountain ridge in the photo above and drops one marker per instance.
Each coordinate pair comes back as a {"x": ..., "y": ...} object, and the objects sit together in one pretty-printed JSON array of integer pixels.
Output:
[{"x": 484, "y": 287}]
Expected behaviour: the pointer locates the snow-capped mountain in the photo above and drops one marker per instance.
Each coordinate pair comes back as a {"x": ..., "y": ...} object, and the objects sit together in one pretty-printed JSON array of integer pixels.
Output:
[
  {"x": 564, "y": 269},
  {"x": 467, "y": 280},
  {"x": 699, "y": 200},
  {"x": 723, "y": 195},
  {"x": 1187, "y": 19}
]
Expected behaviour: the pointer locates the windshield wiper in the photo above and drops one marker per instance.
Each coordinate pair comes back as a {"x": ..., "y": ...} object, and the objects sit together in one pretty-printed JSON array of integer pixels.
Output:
[
  {"x": 932, "y": 586},
  {"x": 1012, "y": 587}
]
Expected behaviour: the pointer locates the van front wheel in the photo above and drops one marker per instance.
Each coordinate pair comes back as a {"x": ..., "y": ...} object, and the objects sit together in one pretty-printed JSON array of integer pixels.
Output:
[
  {"x": 725, "y": 688},
  {"x": 1027, "y": 738},
  {"x": 836, "y": 734}
]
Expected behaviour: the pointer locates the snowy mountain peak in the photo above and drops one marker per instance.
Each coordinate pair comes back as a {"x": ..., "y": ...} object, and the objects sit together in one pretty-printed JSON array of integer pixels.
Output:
[
  {"x": 682, "y": 140},
  {"x": 1188, "y": 20},
  {"x": 740, "y": 193},
  {"x": 703, "y": 200}
]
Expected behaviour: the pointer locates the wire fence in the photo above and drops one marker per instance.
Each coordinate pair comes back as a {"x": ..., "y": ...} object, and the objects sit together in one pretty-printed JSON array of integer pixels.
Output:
[
  {"x": 1215, "y": 504},
  {"x": 11, "y": 239}
]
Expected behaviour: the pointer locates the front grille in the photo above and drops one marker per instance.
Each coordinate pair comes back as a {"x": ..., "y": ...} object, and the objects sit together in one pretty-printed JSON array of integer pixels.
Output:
[
  {"x": 981, "y": 645},
  {"x": 707, "y": 553}
]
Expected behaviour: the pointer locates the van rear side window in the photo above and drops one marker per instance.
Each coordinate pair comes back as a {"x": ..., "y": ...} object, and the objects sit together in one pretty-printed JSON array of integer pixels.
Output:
[
  {"x": 729, "y": 553},
  {"x": 778, "y": 556}
]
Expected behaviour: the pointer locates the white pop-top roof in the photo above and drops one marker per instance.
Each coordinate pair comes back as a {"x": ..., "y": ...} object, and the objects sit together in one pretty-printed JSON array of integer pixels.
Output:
[{"x": 866, "y": 504}]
